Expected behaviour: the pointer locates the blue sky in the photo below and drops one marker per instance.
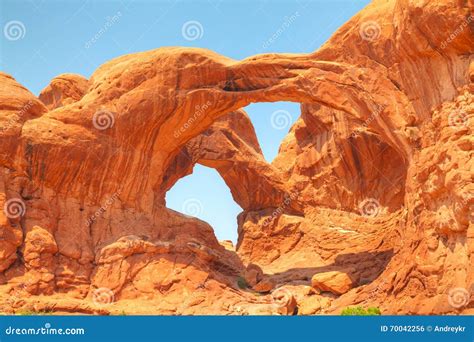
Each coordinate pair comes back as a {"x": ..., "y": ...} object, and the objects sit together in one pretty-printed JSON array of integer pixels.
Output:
[{"x": 42, "y": 39}]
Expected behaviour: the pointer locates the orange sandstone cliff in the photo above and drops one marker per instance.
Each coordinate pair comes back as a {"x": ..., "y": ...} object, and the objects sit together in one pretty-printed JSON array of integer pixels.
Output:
[{"x": 369, "y": 201}]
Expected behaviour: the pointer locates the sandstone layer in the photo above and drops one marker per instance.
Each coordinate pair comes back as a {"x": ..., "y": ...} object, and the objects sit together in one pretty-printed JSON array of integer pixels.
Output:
[{"x": 369, "y": 201}]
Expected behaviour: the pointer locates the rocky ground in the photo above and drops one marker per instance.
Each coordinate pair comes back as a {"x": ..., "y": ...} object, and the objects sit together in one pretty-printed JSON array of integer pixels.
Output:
[{"x": 368, "y": 203}]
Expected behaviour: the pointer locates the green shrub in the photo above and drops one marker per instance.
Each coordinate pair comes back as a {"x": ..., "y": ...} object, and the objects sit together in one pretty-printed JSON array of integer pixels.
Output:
[
  {"x": 119, "y": 313},
  {"x": 371, "y": 311},
  {"x": 360, "y": 311},
  {"x": 242, "y": 283}
]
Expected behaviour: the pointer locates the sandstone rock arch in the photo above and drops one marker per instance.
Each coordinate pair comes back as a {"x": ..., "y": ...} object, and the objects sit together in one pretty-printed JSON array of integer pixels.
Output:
[
  {"x": 138, "y": 114},
  {"x": 66, "y": 167}
]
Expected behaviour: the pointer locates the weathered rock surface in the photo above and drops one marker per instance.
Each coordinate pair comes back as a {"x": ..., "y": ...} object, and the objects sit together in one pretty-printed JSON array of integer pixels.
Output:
[
  {"x": 375, "y": 177},
  {"x": 63, "y": 90},
  {"x": 337, "y": 282}
]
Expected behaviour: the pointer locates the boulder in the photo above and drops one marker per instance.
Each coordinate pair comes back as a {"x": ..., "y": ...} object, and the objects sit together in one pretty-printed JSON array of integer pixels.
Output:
[{"x": 337, "y": 282}]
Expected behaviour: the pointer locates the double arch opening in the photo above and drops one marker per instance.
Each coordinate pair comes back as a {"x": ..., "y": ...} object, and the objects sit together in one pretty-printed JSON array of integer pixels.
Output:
[
  {"x": 373, "y": 166},
  {"x": 204, "y": 193}
]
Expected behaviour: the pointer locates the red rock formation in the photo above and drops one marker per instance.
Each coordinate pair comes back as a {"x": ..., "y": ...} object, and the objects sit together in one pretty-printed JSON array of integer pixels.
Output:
[
  {"x": 63, "y": 90},
  {"x": 231, "y": 147},
  {"x": 370, "y": 195}
]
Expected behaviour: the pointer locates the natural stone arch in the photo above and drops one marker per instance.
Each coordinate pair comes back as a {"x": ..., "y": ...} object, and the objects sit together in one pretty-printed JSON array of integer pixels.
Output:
[
  {"x": 430, "y": 249},
  {"x": 231, "y": 147},
  {"x": 144, "y": 117}
]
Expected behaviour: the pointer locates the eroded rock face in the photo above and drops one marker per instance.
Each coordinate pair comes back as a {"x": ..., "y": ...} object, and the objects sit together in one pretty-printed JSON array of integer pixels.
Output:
[
  {"x": 337, "y": 282},
  {"x": 375, "y": 177},
  {"x": 63, "y": 90}
]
